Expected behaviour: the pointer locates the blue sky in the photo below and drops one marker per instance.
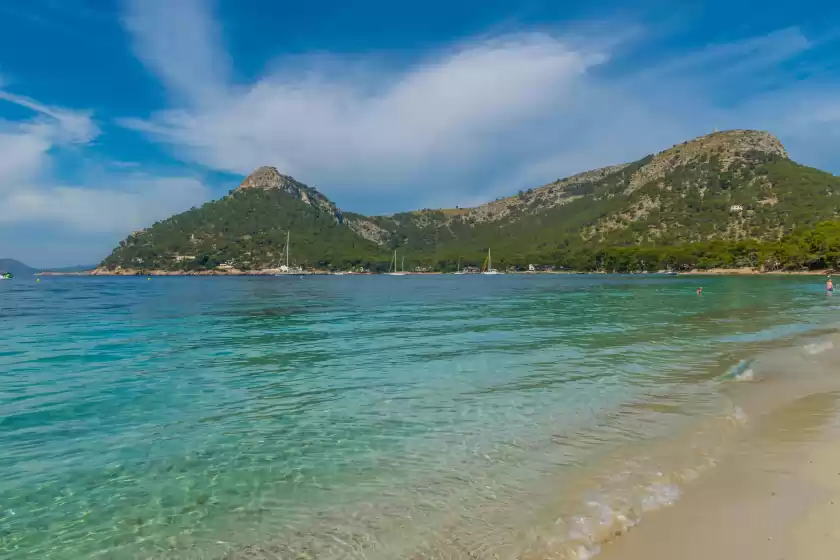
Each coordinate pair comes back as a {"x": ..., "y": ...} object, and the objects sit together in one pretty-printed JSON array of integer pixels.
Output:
[{"x": 117, "y": 113}]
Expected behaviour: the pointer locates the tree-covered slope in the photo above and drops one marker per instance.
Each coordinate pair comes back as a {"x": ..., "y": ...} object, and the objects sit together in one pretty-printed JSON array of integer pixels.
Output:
[
  {"x": 734, "y": 185},
  {"x": 247, "y": 229}
]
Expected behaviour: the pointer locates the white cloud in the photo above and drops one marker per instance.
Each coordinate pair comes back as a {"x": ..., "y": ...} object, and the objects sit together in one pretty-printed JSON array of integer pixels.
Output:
[
  {"x": 25, "y": 145},
  {"x": 21, "y": 155},
  {"x": 61, "y": 125},
  {"x": 448, "y": 111},
  {"x": 357, "y": 128},
  {"x": 103, "y": 202},
  {"x": 489, "y": 115},
  {"x": 179, "y": 42},
  {"x": 132, "y": 203}
]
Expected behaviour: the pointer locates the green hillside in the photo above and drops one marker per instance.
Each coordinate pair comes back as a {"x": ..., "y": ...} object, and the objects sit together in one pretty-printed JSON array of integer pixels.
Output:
[
  {"x": 723, "y": 194},
  {"x": 247, "y": 229}
]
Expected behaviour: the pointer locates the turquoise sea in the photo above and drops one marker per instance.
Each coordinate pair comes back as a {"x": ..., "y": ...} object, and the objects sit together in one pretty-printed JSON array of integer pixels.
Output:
[{"x": 453, "y": 417}]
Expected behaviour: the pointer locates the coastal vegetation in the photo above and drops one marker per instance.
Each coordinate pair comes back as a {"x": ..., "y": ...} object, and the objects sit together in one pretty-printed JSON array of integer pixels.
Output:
[
  {"x": 813, "y": 248},
  {"x": 727, "y": 200}
]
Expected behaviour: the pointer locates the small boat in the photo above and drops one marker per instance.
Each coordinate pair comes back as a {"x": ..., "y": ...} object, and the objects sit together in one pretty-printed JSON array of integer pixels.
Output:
[
  {"x": 459, "y": 267},
  {"x": 6, "y": 276},
  {"x": 285, "y": 269},
  {"x": 489, "y": 270},
  {"x": 394, "y": 265}
]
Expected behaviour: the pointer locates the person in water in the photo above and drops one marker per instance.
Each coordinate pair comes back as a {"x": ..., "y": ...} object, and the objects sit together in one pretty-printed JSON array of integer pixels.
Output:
[
  {"x": 699, "y": 291},
  {"x": 829, "y": 285}
]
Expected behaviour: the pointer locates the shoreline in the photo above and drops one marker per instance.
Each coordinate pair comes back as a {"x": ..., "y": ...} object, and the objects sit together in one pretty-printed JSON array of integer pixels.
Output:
[
  {"x": 776, "y": 501},
  {"x": 277, "y": 272},
  {"x": 776, "y": 492}
]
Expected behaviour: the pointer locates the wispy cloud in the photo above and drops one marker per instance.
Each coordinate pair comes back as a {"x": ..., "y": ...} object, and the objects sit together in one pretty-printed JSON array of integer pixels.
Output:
[
  {"x": 60, "y": 125},
  {"x": 132, "y": 202},
  {"x": 445, "y": 112},
  {"x": 737, "y": 57},
  {"x": 181, "y": 44},
  {"x": 30, "y": 192},
  {"x": 515, "y": 110},
  {"x": 25, "y": 145},
  {"x": 365, "y": 128}
]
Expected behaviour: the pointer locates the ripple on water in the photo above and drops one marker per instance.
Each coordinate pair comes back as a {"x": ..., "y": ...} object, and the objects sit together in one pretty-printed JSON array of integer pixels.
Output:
[{"x": 358, "y": 417}]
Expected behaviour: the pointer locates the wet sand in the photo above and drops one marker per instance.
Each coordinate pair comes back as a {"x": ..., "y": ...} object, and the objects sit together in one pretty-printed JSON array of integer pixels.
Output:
[
  {"x": 817, "y": 534},
  {"x": 776, "y": 498}
]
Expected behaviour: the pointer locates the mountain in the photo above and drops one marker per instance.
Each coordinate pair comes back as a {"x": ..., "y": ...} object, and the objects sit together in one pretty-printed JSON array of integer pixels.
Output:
[
  {"x": 17, "y": 268},
  {"x": 729, "y": 187},
  {"x": 247, "y": 230}
]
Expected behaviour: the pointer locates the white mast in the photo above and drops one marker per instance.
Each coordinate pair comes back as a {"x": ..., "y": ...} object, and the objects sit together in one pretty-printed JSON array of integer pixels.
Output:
[{"x": 287, "y": 249}]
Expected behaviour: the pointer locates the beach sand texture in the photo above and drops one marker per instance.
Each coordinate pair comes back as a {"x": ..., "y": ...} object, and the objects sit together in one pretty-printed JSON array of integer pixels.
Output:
[{"x": 777, "y": 498}]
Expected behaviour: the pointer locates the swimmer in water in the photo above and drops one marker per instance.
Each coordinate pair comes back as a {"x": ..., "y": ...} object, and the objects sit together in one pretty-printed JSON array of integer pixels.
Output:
[
  {"x": 829, "y": 285},
  {"x": 699, "y": 291}
]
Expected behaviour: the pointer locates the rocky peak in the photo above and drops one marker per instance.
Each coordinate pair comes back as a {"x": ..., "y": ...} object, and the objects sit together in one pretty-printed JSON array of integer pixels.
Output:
[
  {"x": 269, "y": 178},
  {"x": 728, "y": 147},
  {"x": 730, "y": 141}
]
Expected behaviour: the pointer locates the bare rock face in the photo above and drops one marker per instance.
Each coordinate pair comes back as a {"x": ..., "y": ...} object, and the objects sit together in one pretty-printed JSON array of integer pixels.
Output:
[
  {"x": 268, "y": 178},
  {"x": 369, "y": 230},
  {"x": 728, "y": 146},
  {"x": 740, "y": 141}
]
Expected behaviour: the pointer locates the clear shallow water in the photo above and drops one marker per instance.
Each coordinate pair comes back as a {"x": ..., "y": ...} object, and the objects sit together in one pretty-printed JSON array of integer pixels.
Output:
[{"x": 367, "y": 417}]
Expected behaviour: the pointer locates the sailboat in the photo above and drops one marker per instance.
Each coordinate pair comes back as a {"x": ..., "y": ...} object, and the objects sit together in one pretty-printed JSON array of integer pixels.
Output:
[
  {"x": 395, "y": 272},
  {"x": 459, "y": 267},
  {"x": 489, "y": 268},
  {"x": 284, "y": 269}
]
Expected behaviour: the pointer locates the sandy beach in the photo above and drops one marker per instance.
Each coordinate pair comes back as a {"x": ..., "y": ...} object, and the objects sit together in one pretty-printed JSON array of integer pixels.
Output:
[{"x": 777, "y": 498}]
